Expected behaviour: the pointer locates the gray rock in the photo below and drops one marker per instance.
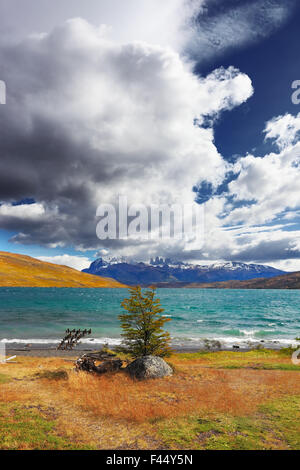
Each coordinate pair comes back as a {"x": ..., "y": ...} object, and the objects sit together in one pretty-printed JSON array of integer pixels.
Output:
[{"x": 149, "y": 367}]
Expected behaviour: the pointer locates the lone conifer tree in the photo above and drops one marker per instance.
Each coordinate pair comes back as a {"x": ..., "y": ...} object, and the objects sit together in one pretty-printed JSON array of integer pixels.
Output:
[{"x": 143, "y": 333}]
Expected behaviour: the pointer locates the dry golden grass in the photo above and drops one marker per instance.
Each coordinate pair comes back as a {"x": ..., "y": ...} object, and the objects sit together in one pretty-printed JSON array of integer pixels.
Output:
[
  {"x": 237, "y": 392},
  {"x": 193, "y": 388},
  {"x": 116, "y": 412},
  {"x": 24, "y": 271},
  {"x": 8, "y": 395},
  {"x": 81, "y": 426}
]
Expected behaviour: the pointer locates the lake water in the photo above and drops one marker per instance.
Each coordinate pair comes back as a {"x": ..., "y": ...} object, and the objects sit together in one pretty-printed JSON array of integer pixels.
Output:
[{"x": 241, "y": 317}]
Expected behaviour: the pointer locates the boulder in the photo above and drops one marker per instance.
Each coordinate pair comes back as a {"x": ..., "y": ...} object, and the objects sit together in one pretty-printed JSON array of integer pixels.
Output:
[{"x": 149, "y": 367}]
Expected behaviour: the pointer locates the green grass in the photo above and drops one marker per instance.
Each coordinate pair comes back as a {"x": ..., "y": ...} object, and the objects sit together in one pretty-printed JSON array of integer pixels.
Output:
[
  {"x": 212, "y": 356},
  {"x": 264, "y": 359},
  {"x": 262, "y": 366},
  {"x": 285, "y": 418},
  {"x": 23, "y": 428},
  {"x": 4, "y": 378},
  {"x": 274, "y": 426}
]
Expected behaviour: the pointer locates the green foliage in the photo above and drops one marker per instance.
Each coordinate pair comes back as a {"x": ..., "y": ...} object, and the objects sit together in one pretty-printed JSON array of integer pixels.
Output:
[{"x": 142, "y": 325}]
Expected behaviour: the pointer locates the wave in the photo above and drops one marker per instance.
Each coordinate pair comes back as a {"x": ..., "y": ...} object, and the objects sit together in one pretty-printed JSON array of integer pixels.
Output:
[
  {"x": 253, "y": 333},
  {"x": 215, "y": 342},
  {"x": 91, "y": 341}
]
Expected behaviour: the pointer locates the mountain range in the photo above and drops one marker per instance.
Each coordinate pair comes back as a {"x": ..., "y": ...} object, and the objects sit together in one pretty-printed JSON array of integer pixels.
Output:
[
  {"x": 24, "y": 271},
  {"x": 169, "y": 272}
]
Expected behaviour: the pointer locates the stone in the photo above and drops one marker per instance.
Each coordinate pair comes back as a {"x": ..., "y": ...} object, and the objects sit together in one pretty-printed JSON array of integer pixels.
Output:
[{"x": 149, "y": 367}]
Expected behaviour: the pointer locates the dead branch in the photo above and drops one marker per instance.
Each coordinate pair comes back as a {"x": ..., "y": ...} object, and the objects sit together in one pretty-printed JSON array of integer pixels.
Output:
[
  {"x": 87, "y": 362},
  {"x": 72, "y": 338}
]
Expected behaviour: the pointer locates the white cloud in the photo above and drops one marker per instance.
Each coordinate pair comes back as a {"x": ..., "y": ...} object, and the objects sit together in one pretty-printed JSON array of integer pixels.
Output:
[
  {"x": 153, "y": 21},
  {"x": 107, "y": 119},
  {"x": 102, "y": 252},
  {"x": 94, "y": 113},
  {"x": 123, "y": 123},
  {"x": 168, "y": 23},
  {"x": 288, "y": 265},
  {"x": 76, "y": 262},
  {"x": 22, "y": 211},
  {"x": 270, "y": 182},
  {"x": 283, "y": 129},
  {"x": 224, "y": 89},
  {"x": 257, "y": 220}
]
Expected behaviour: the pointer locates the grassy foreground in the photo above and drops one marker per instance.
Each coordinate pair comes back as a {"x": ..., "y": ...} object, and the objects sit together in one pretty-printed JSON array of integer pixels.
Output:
[{"x": 221, "y": 400}]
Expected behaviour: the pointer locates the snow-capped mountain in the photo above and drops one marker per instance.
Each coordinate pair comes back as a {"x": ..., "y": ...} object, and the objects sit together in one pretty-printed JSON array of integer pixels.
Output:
[{"x": 169, "y": 271}]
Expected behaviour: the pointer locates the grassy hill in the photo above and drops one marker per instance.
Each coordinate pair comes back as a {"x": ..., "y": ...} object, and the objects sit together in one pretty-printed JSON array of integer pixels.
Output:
[
  {"x": 286, "y": 281},
  {"x": 24, "y": 271}
]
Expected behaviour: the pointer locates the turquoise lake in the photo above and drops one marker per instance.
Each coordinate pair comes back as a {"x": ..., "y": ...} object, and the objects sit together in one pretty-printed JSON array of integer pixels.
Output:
[{"x": 243, "y": 317}]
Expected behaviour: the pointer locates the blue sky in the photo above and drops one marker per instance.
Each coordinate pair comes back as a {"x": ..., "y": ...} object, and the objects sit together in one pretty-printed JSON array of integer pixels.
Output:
[
  {"x": 92, "y": 112},
  {"x": 273, "y": 65}
]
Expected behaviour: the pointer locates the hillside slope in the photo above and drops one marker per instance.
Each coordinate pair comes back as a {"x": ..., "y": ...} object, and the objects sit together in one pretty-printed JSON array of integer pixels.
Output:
[
  {"x": 24, "y": 271},
  {"x": 286, "y": 281}
]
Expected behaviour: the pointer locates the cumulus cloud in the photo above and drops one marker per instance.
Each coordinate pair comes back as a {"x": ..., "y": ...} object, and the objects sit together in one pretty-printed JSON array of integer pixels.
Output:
[
  {"x": 22, "y": 211},
  {"x": 256, "y": 217},
  {"x": 76, "y": 262},
  {"x": 289, "y": 265},
  {"x": 88, "y": 119},
  {"x": 204, "y": 28},
  {"x": 284, "y": 130},
  {"x": 266, "y": 186}
]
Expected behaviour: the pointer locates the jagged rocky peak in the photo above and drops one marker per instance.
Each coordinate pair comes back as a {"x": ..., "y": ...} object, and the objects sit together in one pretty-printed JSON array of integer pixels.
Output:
[{"x": 159, "y": 261}]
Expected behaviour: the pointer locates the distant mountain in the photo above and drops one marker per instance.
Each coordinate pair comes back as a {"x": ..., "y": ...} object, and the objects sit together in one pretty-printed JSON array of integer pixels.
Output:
[
  {"x": 159, "y": 271},
  {"x": 286, "y": 281},
  {"x": 24, "y": 271}
]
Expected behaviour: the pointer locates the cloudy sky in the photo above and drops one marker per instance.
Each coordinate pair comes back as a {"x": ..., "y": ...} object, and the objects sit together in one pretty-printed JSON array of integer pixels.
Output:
[{"x": 164, "y": 102}]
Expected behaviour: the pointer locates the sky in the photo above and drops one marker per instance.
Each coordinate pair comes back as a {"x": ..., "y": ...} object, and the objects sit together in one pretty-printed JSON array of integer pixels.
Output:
[{"x": 173, "y": 102}]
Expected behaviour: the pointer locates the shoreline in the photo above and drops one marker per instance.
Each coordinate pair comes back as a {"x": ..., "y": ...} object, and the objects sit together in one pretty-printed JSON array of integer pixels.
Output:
[
  {"x": 51, "y": 353},
  {"x": 48, "y": 352},
  {"x": 44, "y": 347}
]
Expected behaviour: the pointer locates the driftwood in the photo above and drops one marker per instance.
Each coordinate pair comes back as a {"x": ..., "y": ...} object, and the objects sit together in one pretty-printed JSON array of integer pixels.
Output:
[
  {"x": 87, "y": 362},
  {"x": 72, "y": 337}
]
